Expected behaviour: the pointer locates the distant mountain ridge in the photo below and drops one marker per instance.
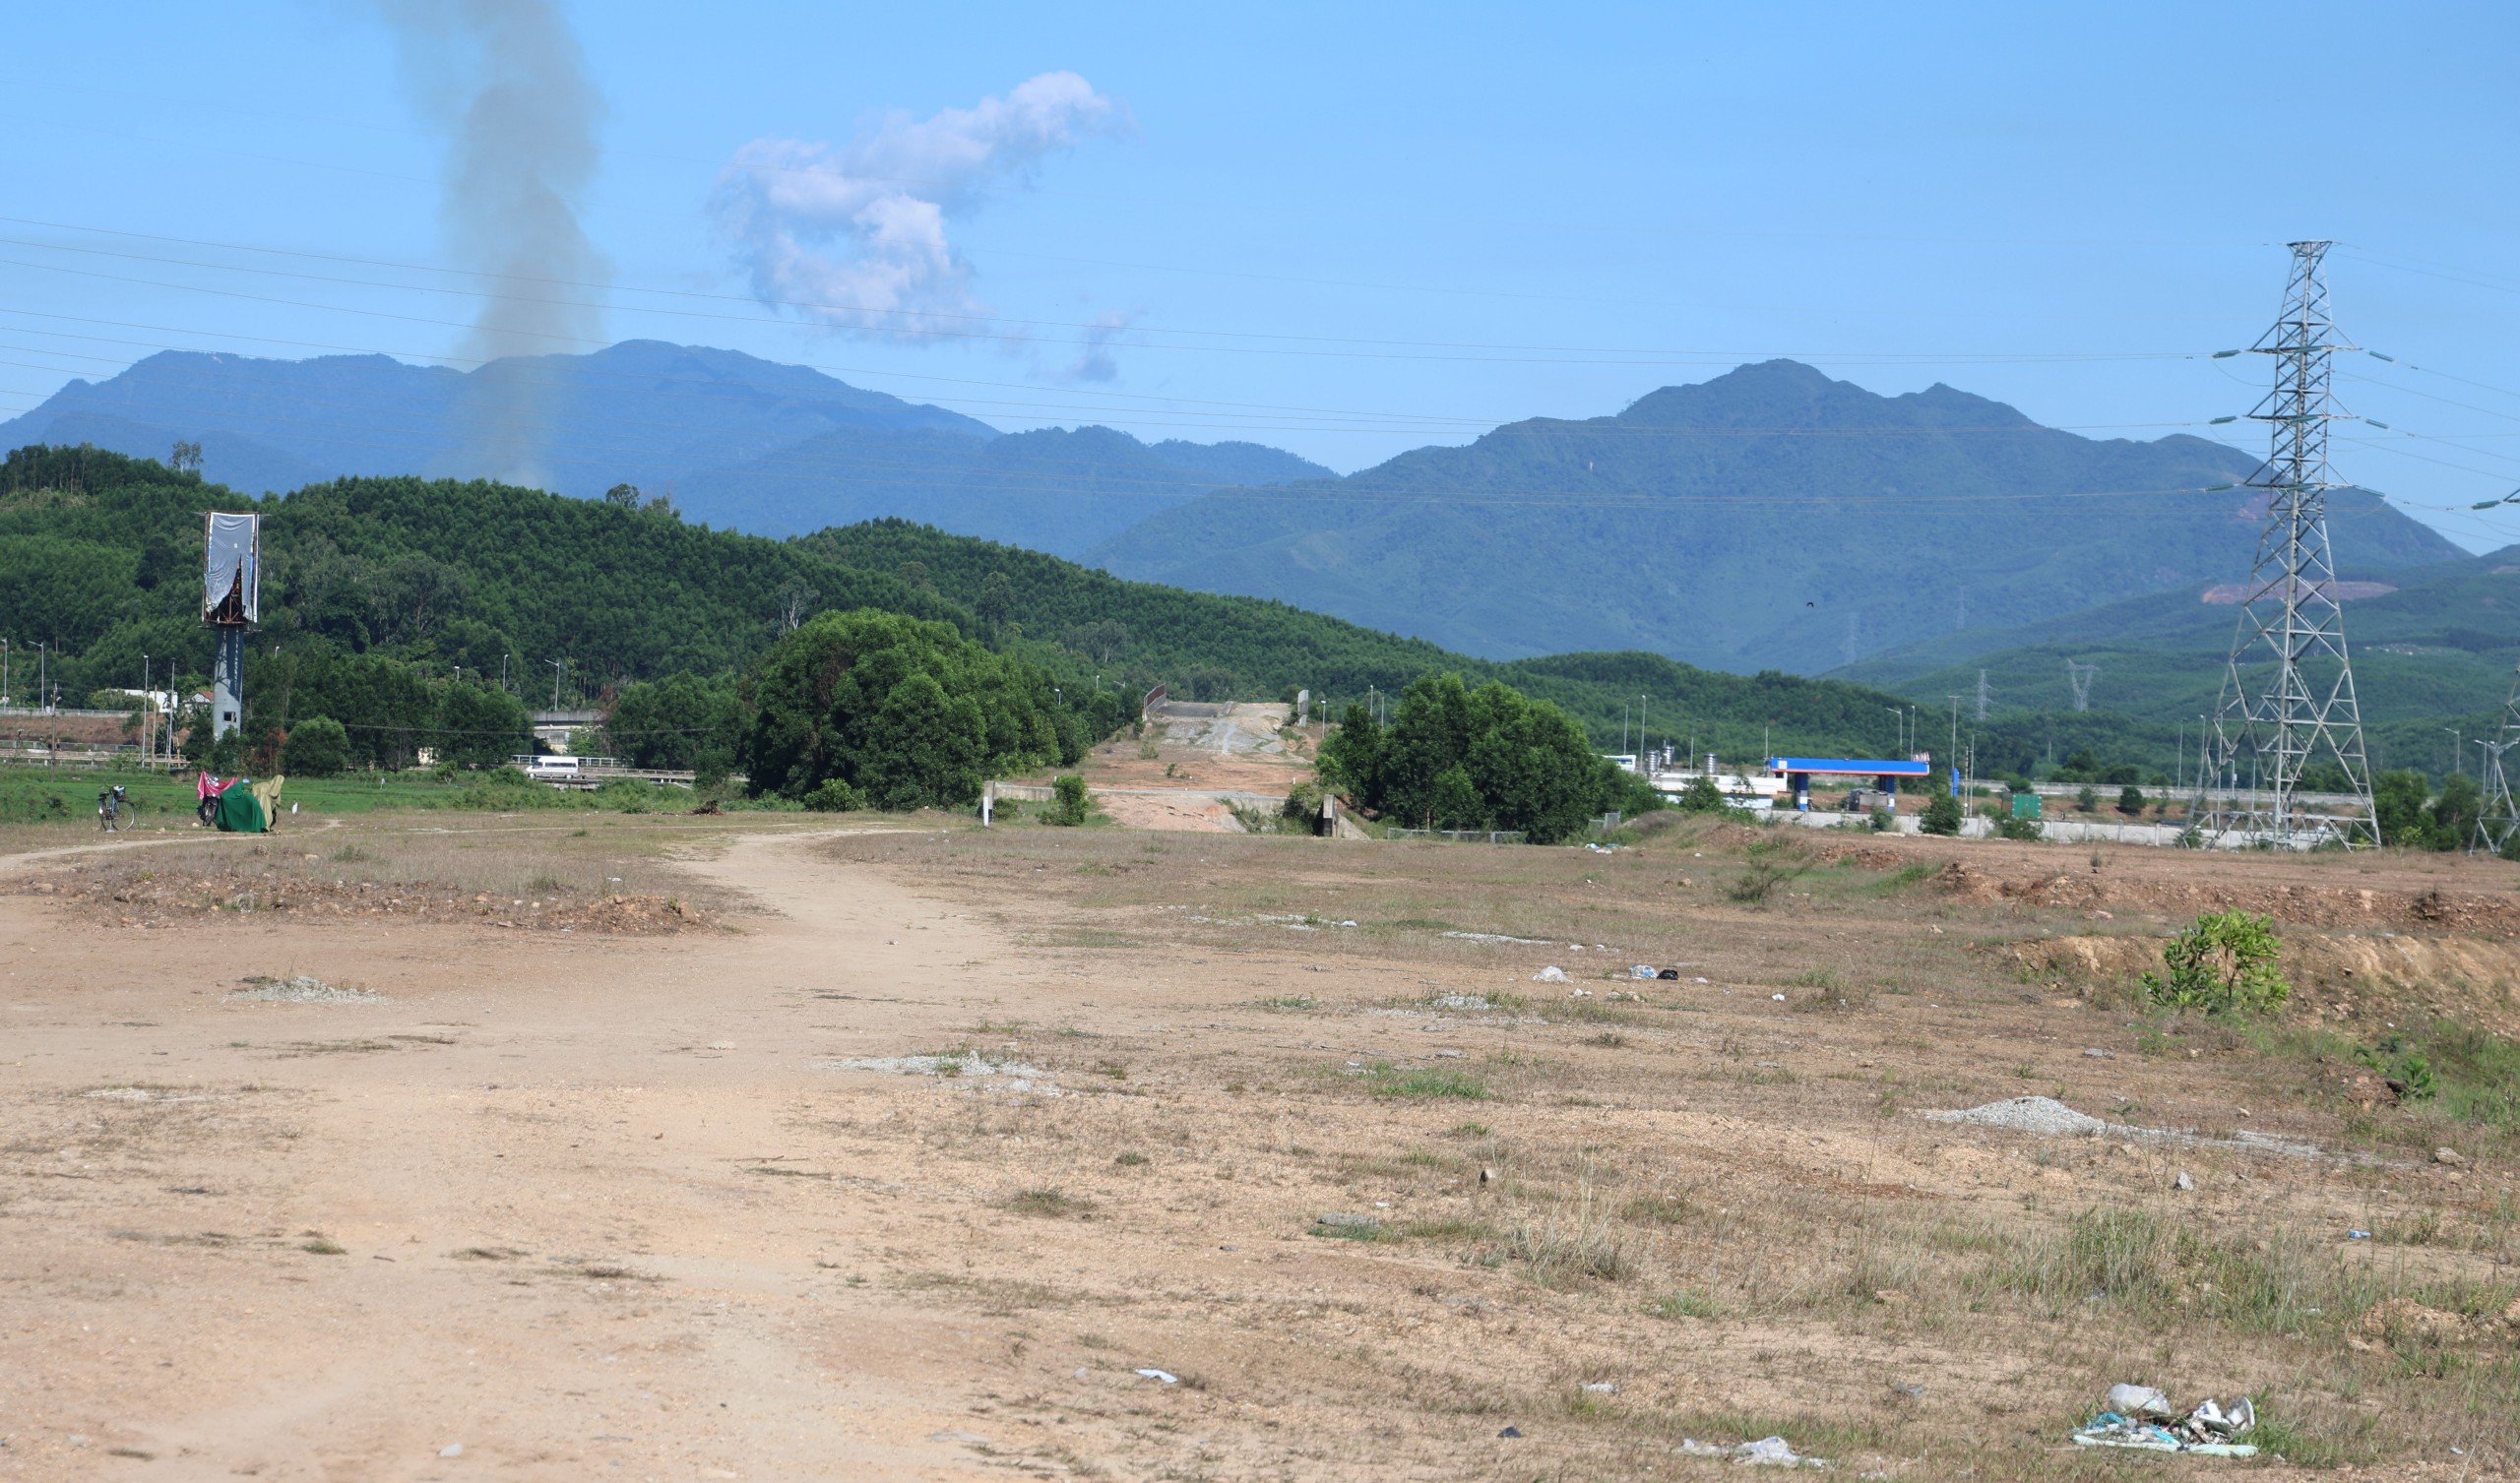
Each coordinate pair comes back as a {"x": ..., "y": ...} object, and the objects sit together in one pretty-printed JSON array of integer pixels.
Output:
[
  {"x": 786, "y": 447},
  {"x": 1768, "y": 517}
]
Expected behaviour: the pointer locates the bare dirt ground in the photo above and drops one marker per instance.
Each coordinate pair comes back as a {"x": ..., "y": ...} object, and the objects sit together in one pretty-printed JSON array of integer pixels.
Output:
[
  {"x": 916, "y": 1149},
  {"x": 1178, "y": 775}
]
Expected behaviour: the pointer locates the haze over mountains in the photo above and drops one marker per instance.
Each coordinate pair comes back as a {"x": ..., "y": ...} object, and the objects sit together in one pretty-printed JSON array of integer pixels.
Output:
[
  {"x": 1770, "y": 518},
  {"x": 737, "y": 441}
]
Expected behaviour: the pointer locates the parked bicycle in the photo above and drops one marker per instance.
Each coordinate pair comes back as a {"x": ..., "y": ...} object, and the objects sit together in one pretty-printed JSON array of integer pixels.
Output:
[{"x": 114, "y": 809}]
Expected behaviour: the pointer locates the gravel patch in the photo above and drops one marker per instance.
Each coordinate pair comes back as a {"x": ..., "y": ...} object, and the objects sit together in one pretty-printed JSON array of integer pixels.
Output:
[{"x": 302, "y": 989}]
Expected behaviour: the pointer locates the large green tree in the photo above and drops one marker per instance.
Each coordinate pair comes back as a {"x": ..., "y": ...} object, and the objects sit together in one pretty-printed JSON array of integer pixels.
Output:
[
  {"x": 907, "y": 712},
  {"x": 1491, "y": 758}
]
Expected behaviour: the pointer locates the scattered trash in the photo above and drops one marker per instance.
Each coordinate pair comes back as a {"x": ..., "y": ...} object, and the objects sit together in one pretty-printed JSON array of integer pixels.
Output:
[
  {"x": 1488, "y": 1174},
  {"x": 1778, "y": 997},
  {"x": 1168, "y": 1379},
  {"x": 1767, "y": 1451},
  {"x": 1602, "y": 1387},
  {"x": 1462, "y": 1001},
  {"x": 451, "y": 1450},
  {"x": 2097, "y": 1054},
  {"x": 1550, "y": 974},
  {"x": 2184, "y": 1181},
  {"x": 302, "y": 989},
  {"x": 1511, "y": 1430},
  {"x": 2139, "y": 1416},
  {"x": 1674, "y": 974},
  {"x": 2142, "y": 1402},
  {"x": 2358, "y": 1235},
  {"x": 1697, "y": 980},
  {"x": 1643, "y": 971}
]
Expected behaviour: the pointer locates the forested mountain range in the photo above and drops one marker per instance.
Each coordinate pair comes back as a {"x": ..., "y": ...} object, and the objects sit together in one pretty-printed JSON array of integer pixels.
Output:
[
  {"x": 1768, "y": 517},
  {"x": 731, "y": 439}
]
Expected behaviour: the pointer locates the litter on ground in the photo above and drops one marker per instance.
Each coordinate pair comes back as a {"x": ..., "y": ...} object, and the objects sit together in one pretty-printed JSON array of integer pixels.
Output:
[
  {"x": 1168, "y": 1379},
  {"x": 1550, "y": 974},
  {"x": 2139, "y": 1416},
  {"x": 1767, "y": 1451}
]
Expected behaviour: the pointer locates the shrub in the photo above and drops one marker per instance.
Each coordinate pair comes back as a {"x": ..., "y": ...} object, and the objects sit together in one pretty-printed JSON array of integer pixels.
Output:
[
  {"x": 1701, "y": 797},
  {"x": 1941, "y": 815},
  {"x": 2018, "y": 828},
  {"x": 1070, "y": 806},
  {"x": 2130, "y": 800},
  {"x": 1304, "y": 803},
  {"x": 2088, "y": 799},
  {"x": 834, "y": 796},
  {"x": 2223, "y": 963},
  {"x": 317, "y": 746}
]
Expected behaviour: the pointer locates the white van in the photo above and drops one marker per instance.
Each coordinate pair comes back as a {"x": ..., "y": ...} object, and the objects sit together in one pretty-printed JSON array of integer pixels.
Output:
[{"x": 552, "y": 769}]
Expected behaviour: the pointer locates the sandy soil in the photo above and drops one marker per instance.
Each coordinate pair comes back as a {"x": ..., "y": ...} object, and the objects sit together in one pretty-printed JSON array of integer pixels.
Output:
[{"x": 911, "y": 1164}]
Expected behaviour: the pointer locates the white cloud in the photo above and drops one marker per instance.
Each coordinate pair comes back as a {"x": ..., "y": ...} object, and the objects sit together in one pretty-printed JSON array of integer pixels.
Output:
[{"x": 855, "y": 237}]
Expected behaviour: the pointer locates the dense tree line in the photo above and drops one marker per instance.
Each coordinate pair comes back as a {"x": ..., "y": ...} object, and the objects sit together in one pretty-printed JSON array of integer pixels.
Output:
[
  {"x": 101, "y": 553},
  {"x": 1489, "y": 757}
]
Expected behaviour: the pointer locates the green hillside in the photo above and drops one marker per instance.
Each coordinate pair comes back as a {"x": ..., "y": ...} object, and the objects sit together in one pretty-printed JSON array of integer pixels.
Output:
[
  {"x": 98, "y": 554},
  {"x": 2433, "y": 657}
]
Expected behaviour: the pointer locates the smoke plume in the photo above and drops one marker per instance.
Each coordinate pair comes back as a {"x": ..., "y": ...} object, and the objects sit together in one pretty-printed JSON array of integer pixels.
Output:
[
  {"x": 506, "y": 82},
  {"x": 854, "y": 237}
]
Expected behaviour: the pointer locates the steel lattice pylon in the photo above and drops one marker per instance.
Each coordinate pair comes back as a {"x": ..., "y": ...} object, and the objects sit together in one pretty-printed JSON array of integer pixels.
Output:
[
  {"x": 2287, "y": 694},
  {"x": 2497, "y": 818}
]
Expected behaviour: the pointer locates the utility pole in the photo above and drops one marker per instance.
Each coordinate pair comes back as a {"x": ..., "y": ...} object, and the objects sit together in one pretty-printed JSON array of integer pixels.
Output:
[
  {"x": 1981, "y": 696},
  {"x": 1898, "y": 718},
  {"x": 2458, "y": 750},
  {"x": 2291, "y": 629},
  {"x": 558, "y": 667}
]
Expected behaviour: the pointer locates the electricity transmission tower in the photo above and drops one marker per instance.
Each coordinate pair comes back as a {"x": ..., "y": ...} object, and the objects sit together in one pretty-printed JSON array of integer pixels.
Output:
[
  {"x": 2288, "y": 692},
  {"x": 2498, "y": 820},
  {"x": 2080, "y": 677}
]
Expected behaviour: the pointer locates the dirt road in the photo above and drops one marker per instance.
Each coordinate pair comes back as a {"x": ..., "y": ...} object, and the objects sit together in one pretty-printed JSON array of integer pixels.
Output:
[{"x": 578, "y": 1233}]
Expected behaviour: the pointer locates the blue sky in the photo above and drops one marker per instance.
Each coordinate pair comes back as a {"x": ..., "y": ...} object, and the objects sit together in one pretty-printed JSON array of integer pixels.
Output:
[{"x": 1350, "y": 234}]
